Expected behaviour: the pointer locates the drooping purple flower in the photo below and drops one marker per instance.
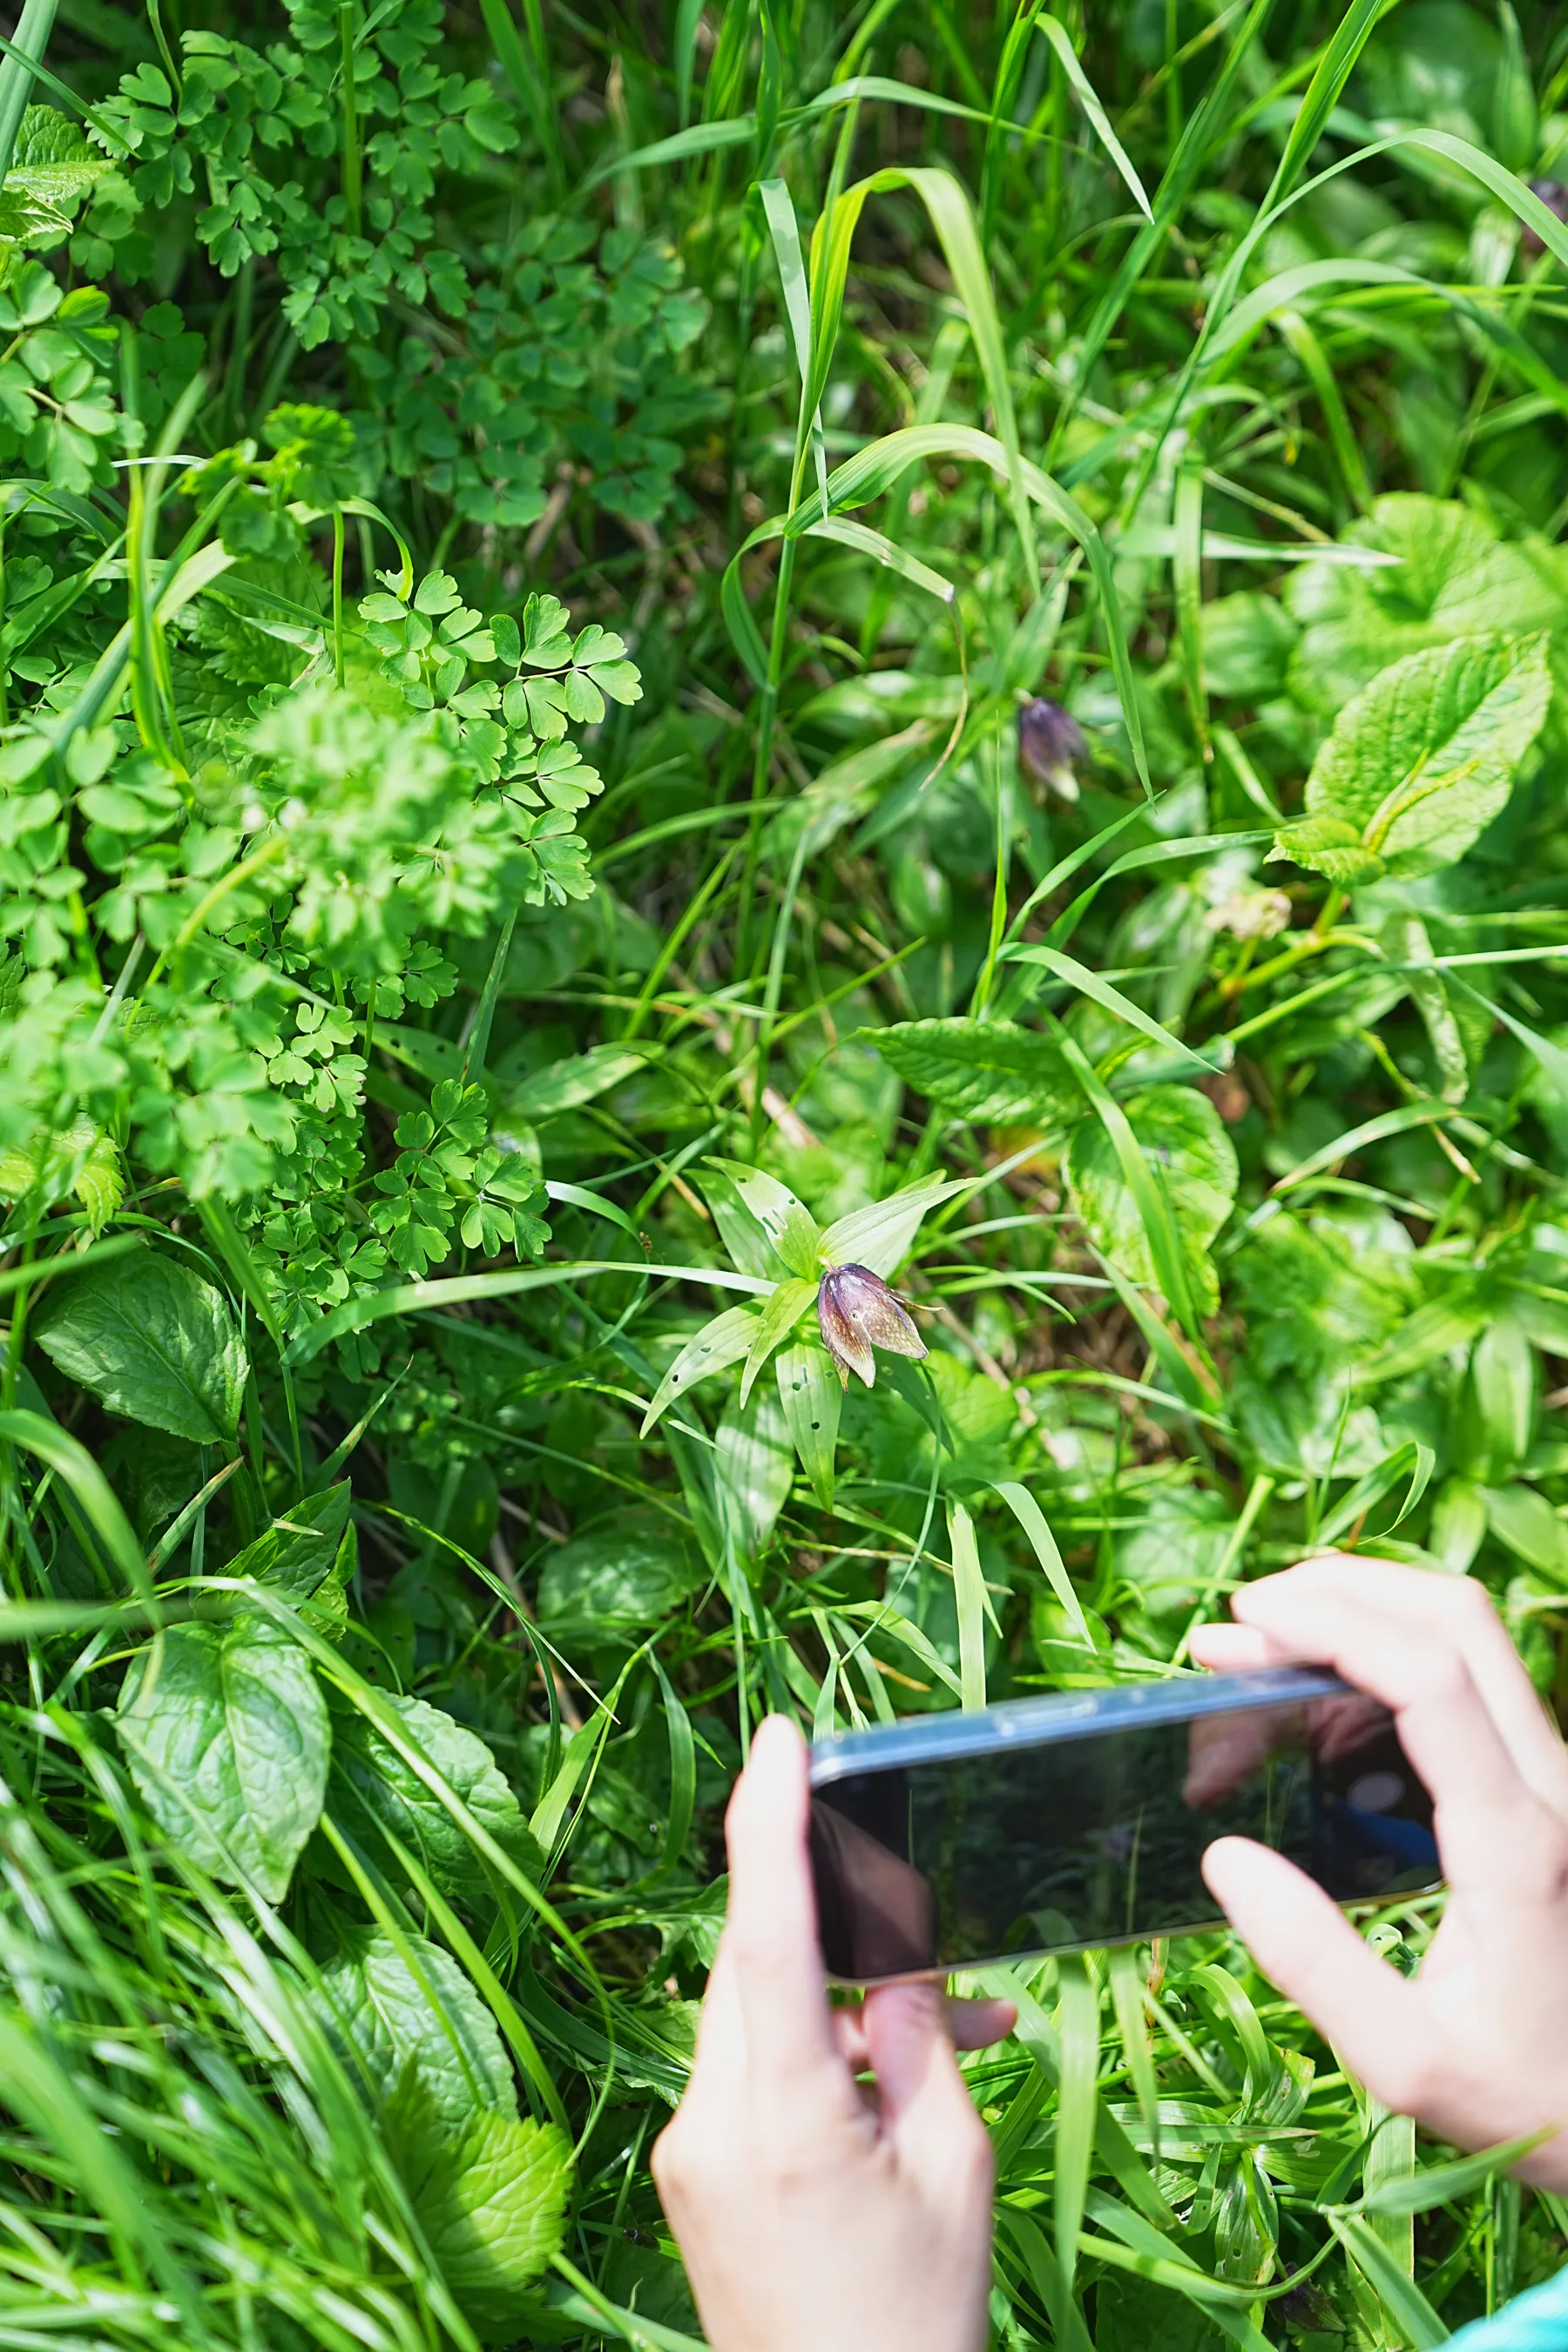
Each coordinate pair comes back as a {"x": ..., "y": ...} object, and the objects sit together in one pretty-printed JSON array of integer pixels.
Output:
[
  {"x": 1553, "y": 195},
  {"x": 857, "y": 1312},
  {"x": 1050, "y": 745}
]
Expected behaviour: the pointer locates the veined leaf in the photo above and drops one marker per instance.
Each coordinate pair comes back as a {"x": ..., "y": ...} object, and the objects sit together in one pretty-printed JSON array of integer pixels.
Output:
[
  {"x": 401, "y": 2001},
  {"x": 1190, "y": 1164},
  {"x": 227, "y": 1740},
  {"x": 992, "y": 1073},
  {"x": 1423, "y": 759},
  {"x": 492, "y": 2204},
  {"x": 154, "y": 1341}
]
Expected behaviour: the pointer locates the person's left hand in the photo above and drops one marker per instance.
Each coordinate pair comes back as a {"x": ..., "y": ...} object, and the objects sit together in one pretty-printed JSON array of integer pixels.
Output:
[{"x": 810, "y": 2209}]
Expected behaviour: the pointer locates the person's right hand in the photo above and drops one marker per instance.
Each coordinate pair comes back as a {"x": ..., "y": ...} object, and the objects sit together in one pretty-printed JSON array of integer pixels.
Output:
[{"x": 1475, "y": 2045}]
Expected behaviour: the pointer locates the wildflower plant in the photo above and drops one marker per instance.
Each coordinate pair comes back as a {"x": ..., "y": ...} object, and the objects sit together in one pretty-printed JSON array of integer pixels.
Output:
[{"x": 691, "y": 704}]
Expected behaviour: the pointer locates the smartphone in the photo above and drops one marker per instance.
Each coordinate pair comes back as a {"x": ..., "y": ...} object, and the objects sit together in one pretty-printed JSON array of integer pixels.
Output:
[{"x": 1056, "y": 1825}]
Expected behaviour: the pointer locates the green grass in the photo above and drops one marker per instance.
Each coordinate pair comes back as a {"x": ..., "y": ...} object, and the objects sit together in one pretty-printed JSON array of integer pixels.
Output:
[{"x": 527, "y": 537}]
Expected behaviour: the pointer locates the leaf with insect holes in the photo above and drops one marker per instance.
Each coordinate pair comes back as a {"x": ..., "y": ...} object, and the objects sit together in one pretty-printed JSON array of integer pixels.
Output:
[
  {"x": 722, "y": 1341},
  {"x": 764, "y": 1228},
  {"x": 1422, "y": 760},
  {"x": 778, "y": 1318},
  {"x": 812, "y": 1399}
]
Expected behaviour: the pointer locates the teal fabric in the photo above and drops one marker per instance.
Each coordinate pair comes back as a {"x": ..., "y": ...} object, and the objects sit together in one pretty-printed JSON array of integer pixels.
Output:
[{"x": 1537, "y": 2321}]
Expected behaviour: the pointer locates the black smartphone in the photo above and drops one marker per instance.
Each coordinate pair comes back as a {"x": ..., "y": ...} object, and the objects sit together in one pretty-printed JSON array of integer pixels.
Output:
[{"x": 1055, "y": 1824}]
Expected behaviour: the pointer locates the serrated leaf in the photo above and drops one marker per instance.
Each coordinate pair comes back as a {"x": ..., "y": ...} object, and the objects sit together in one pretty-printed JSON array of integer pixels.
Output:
[
  {"x": 992, "y": 1073},
  {"x": 406, "y": 2003},
  {"x": 373, "y": 1788},
  {"x": 299, "y": 1550},
  {"x": 1190, "y": 1159},
  {"x": 1453, "y": 578},
  {"x": 613, "y": 1582},
  {"x": 227, "y": 1740},
  {"x": 490, "y": 2204},
  {"x": 153, "y": 1341},
  {"x": 1424, "y": 759},
  {"x": 1329, "y": 846}
]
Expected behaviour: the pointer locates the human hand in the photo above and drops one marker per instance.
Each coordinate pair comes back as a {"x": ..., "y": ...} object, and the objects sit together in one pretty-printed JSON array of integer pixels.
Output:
[
  {"x": 811, "y": 2209},
  {"x": 1475, "y": 2045}
]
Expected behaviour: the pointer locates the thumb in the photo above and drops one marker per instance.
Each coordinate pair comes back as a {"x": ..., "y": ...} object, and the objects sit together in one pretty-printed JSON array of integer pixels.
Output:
[
  {"x": 910, "y": 2050},
  {"x": 1303, "y": 1943}
]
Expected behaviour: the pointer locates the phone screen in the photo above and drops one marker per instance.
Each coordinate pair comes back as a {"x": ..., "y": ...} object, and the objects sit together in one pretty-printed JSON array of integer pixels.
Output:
[{"x": 1098, "y": 1838}]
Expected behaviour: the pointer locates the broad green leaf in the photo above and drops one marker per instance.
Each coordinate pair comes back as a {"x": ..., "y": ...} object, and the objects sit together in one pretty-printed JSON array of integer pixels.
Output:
[
  {"x": 300, "y": 1550},
  {"x": 1192, "y": 1160},
  {"x": 1424, "y": 759},
  {"x": 720, "y": 1343},
  {"x": 812, "y": 1399},
  {"x": 227, "y": 1740},
  {"x": 402, "y": 2002},
  {"x": 491, "y": 2206},
  {"x": 1454, "y": 578},
  {"x": 372, "y": 1789},
  {"x": 153, "y": 1342},
  {"x": 992, "y": 1073},
  {"x": 613, "y": 1582}
]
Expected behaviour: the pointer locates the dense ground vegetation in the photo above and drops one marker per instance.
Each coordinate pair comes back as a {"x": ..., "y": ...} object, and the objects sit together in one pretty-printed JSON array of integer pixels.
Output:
[{"x": 647, "y": 651}]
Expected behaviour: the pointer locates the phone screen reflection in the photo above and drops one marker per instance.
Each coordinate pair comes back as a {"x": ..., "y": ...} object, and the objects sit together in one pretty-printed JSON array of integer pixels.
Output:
[{"x": 1099, "y": 1839}]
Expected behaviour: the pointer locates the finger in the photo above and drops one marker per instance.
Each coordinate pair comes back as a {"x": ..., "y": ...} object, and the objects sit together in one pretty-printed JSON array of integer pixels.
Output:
[
  {"x": 1445, "y": 1726},
  {"x": 771, "y": 1929},
  {"x": 1306, "y": 1946},
  {"x": 1222, "y": 1749},
  {"x": 1230, "y": 1649},
  {"x": 1464, "y": 1611},
  {"x": 971, "y": 2025},
  {"x": 911, "y": 2050},
  {"x": 720, "y": 2055},
  {"x": 976, "y": 2025}
]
